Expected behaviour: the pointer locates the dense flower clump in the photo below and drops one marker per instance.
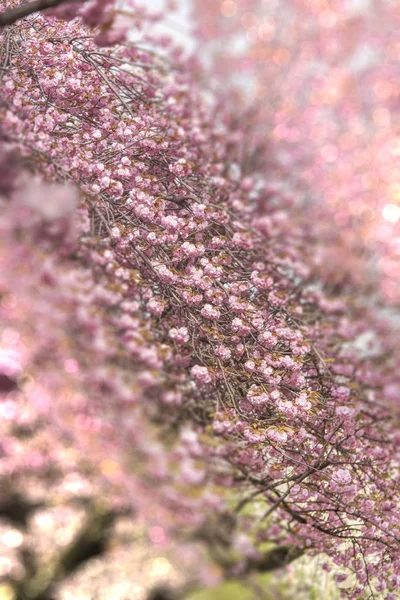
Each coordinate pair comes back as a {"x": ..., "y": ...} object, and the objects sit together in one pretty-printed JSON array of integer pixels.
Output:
[{"x": 168, "y": 276}]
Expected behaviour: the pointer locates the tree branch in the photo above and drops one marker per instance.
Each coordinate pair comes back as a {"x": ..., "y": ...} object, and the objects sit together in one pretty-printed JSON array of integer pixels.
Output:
[
  {"x": 276, "y": 558},
  {"x": 18, "y": 510},
  {"x": 8, "y": 17}
]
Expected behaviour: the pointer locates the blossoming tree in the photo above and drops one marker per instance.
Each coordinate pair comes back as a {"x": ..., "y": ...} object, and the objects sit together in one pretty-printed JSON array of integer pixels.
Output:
[{"x": 164, "y": 317}]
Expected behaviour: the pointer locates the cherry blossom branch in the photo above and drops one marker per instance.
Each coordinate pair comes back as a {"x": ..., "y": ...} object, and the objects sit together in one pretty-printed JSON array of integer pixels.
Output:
[{"x": 8, "y": 17}]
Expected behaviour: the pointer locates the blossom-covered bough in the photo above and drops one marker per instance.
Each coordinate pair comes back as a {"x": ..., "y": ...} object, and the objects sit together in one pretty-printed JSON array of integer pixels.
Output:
[{"x": 184, "y": 343}]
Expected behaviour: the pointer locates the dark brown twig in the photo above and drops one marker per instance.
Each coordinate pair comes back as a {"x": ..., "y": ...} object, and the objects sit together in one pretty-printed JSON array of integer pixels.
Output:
[{"x": 8, "y": 17}]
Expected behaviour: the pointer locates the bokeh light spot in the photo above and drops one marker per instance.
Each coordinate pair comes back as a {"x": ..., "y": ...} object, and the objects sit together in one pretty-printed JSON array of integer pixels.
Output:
[
  {"x": 6, "y": 592},
  {"x": 329, "y": 153},
  {"x": 228, "y": 8},
  {"x": 391, "y": 213},
  {"x": 13, "y": 538}
]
